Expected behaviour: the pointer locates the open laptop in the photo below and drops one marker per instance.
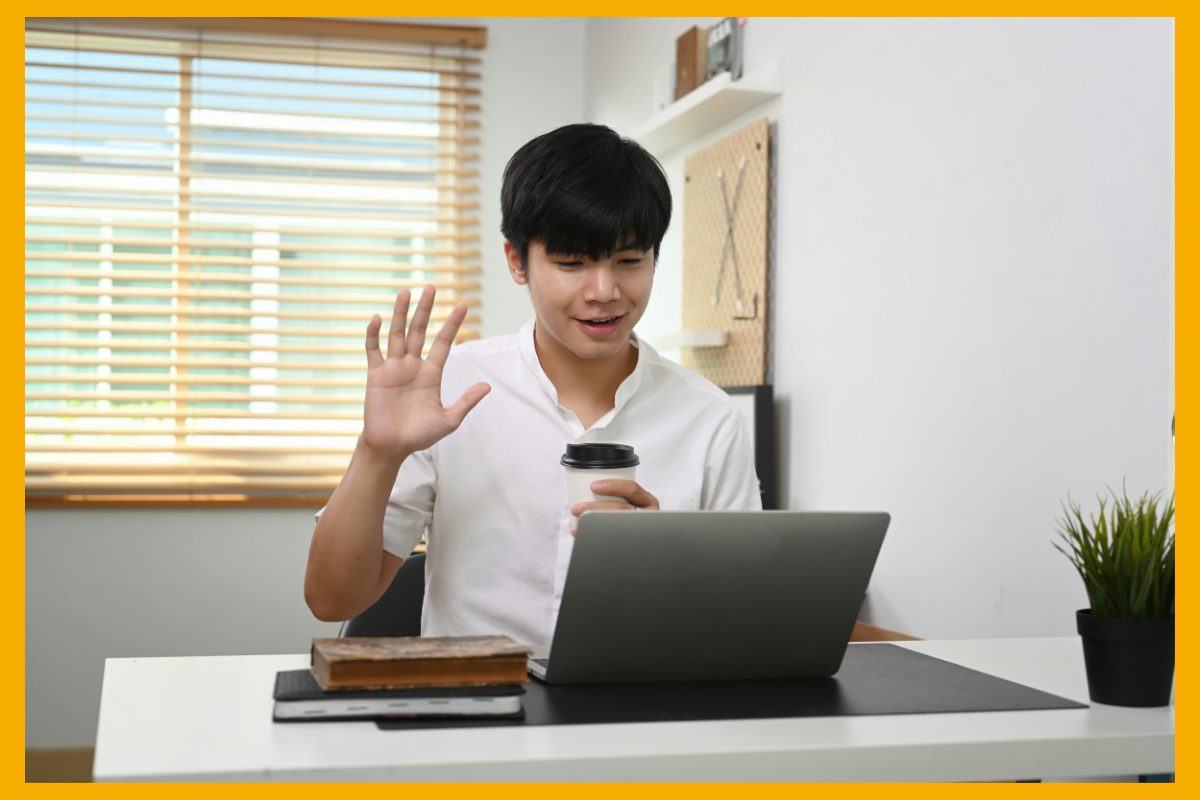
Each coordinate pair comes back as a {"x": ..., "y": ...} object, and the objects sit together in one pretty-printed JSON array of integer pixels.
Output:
[{"x": 711, "y": 595}]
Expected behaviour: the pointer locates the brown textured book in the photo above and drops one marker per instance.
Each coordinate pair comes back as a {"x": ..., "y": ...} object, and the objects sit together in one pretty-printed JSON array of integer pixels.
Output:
[
  {"x": 691, "y": 53},
  {"x": 412, "y": 662}
]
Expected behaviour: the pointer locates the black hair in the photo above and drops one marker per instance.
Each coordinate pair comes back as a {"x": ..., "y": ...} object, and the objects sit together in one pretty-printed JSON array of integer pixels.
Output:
[{"x": 584, "y": 190}]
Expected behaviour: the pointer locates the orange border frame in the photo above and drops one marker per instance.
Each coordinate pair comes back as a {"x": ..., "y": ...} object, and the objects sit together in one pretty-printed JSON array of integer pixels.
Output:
[{"x": 13, "y": 589}]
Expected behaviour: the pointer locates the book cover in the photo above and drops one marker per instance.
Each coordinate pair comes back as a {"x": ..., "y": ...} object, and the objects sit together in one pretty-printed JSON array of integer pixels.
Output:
[
  {"x": 409, "y": 662},
  {"x": 724, "y": 48},
  {"x": 690, "y": 55}
]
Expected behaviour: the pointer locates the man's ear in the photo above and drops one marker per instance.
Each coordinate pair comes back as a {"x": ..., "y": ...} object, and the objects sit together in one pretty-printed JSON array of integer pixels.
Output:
[{"x": 515, "y": 267}]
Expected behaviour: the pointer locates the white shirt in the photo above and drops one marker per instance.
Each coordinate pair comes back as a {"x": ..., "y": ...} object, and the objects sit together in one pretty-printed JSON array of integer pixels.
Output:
[{"x": 492, "y": 496}]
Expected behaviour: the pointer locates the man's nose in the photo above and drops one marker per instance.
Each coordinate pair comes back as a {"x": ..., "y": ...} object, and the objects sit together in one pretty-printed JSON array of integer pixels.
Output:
[{"x": 601, "y": 285}]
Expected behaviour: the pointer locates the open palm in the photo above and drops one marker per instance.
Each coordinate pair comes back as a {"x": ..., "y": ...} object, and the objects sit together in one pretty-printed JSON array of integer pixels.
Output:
[{"x": 403, "y": 410}]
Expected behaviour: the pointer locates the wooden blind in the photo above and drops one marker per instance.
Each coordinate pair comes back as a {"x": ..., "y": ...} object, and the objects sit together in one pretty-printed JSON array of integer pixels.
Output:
[{"x": 211, "y": 218}]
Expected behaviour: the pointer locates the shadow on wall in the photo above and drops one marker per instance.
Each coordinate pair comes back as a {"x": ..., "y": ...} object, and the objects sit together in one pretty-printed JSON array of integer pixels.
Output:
[{"x": 875, "y": 608}]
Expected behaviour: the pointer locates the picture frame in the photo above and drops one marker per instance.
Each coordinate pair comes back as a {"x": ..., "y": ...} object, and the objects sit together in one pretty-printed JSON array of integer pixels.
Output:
[{"x": 757, "y": 406}]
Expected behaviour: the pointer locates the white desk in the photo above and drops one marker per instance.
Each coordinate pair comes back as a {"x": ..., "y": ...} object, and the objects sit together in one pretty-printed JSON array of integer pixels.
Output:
[{"x": 200, "y": 719}]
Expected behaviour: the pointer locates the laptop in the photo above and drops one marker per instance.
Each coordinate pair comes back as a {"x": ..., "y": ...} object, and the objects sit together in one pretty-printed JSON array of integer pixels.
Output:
[{"x": 711, "y": 595}]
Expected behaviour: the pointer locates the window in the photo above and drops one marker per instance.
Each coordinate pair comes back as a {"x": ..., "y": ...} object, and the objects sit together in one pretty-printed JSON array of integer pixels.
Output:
[{"x": 212, "y": 216}]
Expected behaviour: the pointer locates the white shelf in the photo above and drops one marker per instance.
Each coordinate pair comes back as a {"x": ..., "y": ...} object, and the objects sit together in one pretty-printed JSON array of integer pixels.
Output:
[
  {"x": 713, "y": 104},
  {"x": 672, "y": 341}
]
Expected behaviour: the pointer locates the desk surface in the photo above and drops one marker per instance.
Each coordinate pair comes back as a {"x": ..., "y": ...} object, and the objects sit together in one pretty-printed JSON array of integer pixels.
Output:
[{"x": 209, "y": 718}]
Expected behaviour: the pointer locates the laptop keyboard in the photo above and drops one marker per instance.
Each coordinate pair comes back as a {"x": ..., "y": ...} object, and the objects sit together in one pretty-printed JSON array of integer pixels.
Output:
[{"x": 541, "y": 661}]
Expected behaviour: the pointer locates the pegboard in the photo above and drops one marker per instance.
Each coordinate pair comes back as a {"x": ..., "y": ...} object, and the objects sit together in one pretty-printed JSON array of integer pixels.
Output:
[{"x": 743, "y": 361}]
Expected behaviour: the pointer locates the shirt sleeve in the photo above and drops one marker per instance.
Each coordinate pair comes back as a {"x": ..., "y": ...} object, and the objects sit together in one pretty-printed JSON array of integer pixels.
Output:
[
  {"x": 730, "y": 482},
  {"x": 410, "y": 505}
]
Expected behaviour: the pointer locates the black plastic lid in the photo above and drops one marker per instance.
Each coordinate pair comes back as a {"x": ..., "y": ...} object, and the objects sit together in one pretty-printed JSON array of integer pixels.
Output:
[{"x": 599, "y": 456}]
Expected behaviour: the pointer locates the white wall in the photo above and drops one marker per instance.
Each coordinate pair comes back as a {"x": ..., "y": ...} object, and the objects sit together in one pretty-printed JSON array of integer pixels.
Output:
[
  {"x": 101, "y": 584},
  {"x": 156, "y": 583},
  {"x": 973, "y": 288}
]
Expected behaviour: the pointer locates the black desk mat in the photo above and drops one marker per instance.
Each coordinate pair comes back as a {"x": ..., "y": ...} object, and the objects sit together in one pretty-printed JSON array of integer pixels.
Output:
[{"x": 874, "y": 679}]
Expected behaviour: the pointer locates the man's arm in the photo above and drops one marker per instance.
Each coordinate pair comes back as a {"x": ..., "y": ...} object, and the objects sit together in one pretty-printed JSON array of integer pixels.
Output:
[
  {"x": 730, "y": 482},
  {"x": 348, "y": 569}
]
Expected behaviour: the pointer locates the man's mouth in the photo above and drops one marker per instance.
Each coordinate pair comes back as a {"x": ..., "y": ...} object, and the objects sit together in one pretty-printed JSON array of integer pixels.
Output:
[{"x": 602, "y": 324}]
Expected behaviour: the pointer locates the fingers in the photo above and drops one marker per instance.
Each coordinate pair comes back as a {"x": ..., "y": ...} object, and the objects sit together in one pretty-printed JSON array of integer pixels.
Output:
[
  {"x": 600, "y": 505},
  {"x": 456, "y": 413},
  {"x": 374, "y": 357},
  {"x": 630, "y": 490},
  {"x": 603, "y": 505},
  {"x": 445, "y": 337},
  {"x": 396, "y": 327},
  {"x": 415, "y": 342}
]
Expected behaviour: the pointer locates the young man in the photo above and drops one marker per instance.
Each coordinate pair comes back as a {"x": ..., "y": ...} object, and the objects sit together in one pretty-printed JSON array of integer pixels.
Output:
[{"x": 584, "y": 213}]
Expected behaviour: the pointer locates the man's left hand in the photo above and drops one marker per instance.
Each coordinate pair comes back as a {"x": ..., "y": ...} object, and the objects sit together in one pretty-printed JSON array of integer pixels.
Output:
[{"x": 636, "y": 498}]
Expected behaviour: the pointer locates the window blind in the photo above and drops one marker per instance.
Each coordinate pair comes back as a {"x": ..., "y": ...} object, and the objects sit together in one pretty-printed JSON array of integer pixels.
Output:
[{"x": 212, "y": 216}]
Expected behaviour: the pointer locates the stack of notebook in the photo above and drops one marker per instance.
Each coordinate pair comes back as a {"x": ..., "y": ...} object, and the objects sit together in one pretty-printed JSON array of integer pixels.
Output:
[{"x": 366, "y": 678}]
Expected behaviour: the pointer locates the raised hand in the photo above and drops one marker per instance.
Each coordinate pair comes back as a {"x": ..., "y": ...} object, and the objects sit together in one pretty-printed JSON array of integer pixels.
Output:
[{"x": 403, "y": 410}]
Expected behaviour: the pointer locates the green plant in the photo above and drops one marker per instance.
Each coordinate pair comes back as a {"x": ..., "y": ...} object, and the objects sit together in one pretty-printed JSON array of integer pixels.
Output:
[{"x": 1126, "y": 558}]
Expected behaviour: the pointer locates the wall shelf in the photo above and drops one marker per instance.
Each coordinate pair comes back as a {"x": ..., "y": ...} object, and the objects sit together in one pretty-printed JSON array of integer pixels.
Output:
[{"x": 713, "y": 104}]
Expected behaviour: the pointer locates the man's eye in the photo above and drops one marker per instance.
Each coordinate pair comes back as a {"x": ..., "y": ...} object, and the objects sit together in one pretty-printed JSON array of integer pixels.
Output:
[{"x": 569, "y": 263}]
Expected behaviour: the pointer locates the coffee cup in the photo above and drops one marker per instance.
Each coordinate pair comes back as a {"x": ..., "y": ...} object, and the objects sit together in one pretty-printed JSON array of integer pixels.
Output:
[{"x": 587, "y": 463}]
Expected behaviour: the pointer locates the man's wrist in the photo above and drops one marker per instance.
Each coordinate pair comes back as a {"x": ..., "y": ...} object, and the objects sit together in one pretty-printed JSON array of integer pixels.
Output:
[{"x": 379, "y": 459}]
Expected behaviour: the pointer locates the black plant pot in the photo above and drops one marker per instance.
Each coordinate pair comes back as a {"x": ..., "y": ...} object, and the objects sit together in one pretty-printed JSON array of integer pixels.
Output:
[{"x": 1130, "y": 662}]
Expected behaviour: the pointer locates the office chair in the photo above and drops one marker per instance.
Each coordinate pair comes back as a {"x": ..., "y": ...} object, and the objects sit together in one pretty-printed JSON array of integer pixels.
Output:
[{"x": 398, "y": 612}]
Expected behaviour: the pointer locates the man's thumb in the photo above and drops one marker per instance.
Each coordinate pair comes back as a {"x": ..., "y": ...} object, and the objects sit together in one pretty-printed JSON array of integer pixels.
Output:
[{"x": 457, "y": 412}]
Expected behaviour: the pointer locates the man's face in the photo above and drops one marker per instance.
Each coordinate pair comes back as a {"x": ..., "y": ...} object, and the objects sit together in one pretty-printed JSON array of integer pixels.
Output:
[{"x": 590, "y": 307}]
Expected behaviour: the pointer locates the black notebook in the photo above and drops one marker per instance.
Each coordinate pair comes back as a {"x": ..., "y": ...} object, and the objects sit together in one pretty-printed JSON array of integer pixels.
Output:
[{"x": 299, "y": 698}]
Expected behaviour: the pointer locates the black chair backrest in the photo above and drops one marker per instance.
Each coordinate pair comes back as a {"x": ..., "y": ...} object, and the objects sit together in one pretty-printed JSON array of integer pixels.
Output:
[{"x": 398, "y": 612}]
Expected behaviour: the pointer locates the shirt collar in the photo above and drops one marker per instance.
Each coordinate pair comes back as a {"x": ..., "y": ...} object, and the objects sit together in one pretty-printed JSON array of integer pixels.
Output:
[{"x": 625, "y": 391}]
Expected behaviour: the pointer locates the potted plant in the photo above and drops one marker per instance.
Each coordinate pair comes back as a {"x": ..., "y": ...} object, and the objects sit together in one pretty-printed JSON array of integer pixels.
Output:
[{"x": 1126, "y": 557}]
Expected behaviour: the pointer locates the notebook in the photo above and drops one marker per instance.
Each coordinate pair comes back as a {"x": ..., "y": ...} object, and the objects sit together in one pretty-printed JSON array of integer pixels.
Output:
[{"x": 298, "y": 697}]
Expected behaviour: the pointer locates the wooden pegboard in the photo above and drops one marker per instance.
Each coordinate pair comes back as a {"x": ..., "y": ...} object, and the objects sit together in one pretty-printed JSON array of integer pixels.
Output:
[{"x": 743, "y": 361}]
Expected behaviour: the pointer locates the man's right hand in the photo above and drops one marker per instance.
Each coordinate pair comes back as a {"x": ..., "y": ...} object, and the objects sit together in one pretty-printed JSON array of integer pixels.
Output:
[{"x": 403, "y": 411}]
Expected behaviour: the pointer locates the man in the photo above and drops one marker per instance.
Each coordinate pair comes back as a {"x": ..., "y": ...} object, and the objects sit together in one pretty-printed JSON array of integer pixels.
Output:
[{"x": 584, "y": 213}]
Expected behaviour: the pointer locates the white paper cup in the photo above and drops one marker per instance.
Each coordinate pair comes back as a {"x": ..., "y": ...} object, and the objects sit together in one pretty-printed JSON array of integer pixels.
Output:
[
  {"x": 579, "y": 483},
  {"x": 587, "y": 463}
]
